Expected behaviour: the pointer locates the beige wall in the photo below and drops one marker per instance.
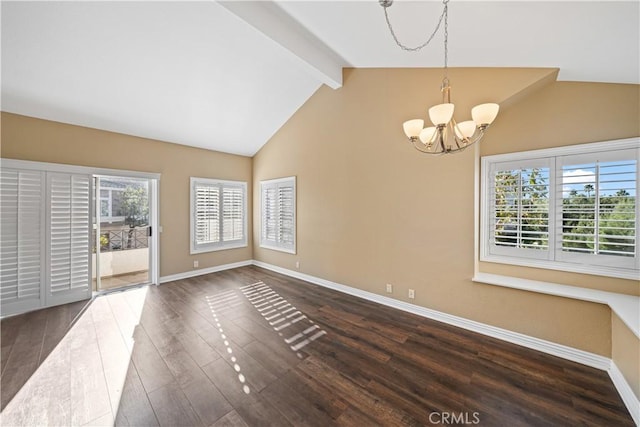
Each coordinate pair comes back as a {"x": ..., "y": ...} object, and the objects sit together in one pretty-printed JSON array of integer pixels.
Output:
[
  {"x": 625, "y": 352},
  {"x": 371, "y": 210},
  {"x": 27, "y": 138}
]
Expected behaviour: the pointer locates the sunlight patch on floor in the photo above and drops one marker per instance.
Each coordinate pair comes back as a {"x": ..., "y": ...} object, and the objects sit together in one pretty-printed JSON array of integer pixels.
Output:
[
  {"x": 282, "y": 316},
  {"x": 81, "y": 381},
  {"x": 225, "y": 301}
]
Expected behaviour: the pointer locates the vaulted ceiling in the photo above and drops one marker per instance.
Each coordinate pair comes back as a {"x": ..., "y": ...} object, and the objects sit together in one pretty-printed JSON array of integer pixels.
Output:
[{"x": 226, "y": 76}]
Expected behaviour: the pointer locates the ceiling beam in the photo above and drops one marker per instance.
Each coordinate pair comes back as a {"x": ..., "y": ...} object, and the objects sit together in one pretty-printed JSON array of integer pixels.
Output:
[{"x": 268, "y": 18}]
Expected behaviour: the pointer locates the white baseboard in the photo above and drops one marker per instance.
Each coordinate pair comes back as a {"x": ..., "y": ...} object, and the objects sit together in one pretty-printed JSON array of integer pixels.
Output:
[
  {"x": 569, "y": 353},
  {"x": 201, "y": 271},
  {"x": 626, "y": 393}
]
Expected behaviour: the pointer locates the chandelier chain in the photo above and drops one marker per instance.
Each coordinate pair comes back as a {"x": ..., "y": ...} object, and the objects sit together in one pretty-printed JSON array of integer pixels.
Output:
[
  {"x": 445, "y": 12},
  {"x": 386, "y": 3}
]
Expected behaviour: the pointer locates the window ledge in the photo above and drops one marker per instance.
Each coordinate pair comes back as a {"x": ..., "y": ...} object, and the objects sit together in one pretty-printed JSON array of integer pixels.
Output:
[{"x": 627, "y": 307}]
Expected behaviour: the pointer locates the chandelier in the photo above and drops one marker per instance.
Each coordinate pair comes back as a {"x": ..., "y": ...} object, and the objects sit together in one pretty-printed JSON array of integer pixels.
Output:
[{"x": 446, "y": 135}]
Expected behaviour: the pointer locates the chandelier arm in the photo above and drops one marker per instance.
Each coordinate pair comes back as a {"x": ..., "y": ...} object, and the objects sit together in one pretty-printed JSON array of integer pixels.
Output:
[
  {"x": 421, "y": 148},
  {"x": 385, "y": 4}
]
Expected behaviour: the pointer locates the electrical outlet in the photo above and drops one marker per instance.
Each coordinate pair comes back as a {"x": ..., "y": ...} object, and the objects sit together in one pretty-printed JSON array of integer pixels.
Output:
[
  {"x": 297, "y": 264},
  {"x": 389, "y": 288},
  {"x": 412, "y": 294},
  {"x": 195, "y": 264}
]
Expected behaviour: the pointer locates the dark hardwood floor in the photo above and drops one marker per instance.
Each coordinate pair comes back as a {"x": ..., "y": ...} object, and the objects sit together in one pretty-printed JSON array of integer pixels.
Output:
[{"x": 249, "y": 347}]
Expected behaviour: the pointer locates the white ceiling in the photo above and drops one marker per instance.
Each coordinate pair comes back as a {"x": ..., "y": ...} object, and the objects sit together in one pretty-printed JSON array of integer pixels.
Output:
[{"x": 226, "y": 76}]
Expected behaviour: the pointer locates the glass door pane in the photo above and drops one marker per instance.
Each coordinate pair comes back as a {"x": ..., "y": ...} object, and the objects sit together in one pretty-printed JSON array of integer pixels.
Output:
[{"x": 123, "y": 217}]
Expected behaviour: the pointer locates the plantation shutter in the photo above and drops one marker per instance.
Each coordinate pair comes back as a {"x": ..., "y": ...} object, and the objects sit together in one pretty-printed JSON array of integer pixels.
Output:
[
  {"x": 286, "y": 211},
  {"x": 207, "y": 215},
  {"x": 597, "y": 208},
  {"x": 218, "y": 214},
  {"x": 21, "y": 239},
  {"x": 519, "y": 194},
  {"x": 69, "y": 232},
  {"x": 278, "y": 214},
  {"x": 232, "y": 213},
  {"x": 270, "y": 214}
]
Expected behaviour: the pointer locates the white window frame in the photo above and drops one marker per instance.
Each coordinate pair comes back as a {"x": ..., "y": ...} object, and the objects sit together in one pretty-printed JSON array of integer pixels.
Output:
[
  {"x": 269, "y": 243},
  {"x": 196, "y": 248},
  {"x": 554, "y": 258}
]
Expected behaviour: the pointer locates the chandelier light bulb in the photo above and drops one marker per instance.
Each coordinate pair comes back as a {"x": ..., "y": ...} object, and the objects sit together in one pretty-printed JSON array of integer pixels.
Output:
[
  {"x": 412, "y": 128},
  {"x": 441, "y": 114},
  {"x": 485, "y": 114}
]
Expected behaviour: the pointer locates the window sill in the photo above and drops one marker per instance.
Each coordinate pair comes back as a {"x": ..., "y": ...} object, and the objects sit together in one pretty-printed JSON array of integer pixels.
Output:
[
  {"x": 278, "y": 248},
  {"x": 218, "y": 248},
  {"x": 585, "y": 268},
  {"x": 627, "y": 307}
]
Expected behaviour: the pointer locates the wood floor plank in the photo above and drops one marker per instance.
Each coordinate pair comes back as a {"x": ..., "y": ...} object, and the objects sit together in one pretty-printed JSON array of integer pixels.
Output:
[
  {"x": 356, "y": 396},
  {"x": 205, "y": 398},
  {"x": 172, "y": 408},
  {"x": 295, "y": 407},
  {"x": 232, "y": 419},
  {"x": 89, "y": 391},
  {"x": 134, "y": 407},
  {"x": 24, "y": 356},
  {"x": 151, "y": 368},
  {"x": 45, "y": 399}
]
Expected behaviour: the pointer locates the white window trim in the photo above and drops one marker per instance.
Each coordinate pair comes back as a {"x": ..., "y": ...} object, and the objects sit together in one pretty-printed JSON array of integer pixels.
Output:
[
  {"x": 154, "y": 194},
  {"x": 220, "y": 246},
  {"x": 267, "y": 244},
  {"x": 485, "y": 253},
  {"x": 154, "y": 201}
]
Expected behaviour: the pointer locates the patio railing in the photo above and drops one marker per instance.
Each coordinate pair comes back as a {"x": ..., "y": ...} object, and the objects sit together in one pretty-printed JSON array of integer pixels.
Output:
[{"x": 124, "y": 239}]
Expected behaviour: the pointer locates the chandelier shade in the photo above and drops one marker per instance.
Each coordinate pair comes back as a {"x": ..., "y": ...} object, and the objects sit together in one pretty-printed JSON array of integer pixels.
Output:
[
  {"x": 413, "y": 127},
  {"x": 465, "y": 129},
  {"x": 441, "y": 114},
  {"x": 485, "y": 114}
]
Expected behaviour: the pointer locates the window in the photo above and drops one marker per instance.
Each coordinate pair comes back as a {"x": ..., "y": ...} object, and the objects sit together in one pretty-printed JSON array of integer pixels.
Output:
[
  {"x": 278, "y": 214},
  {"x": 218, "y": 215},
  {"x": 570, "y": 208}
]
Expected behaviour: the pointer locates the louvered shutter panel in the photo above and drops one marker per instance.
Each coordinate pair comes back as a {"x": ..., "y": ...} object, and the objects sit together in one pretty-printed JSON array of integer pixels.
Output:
[
  {"x": 232, "y": 213},
  {"x": 21, "y": 239},
  {"x": 286, "y": 211},
  {"x": 278, "y": 203},
  {"x": 520, "y": 194},
  {"x": 597, "y": 208},
  {"x": 69, "y": 232},
  {"x": 207, "y": 214},
  {"x": 269, "y": 214}
]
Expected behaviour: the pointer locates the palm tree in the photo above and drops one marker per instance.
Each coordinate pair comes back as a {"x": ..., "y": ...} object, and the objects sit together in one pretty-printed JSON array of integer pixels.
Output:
[{"x": 588, "y": 188}]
